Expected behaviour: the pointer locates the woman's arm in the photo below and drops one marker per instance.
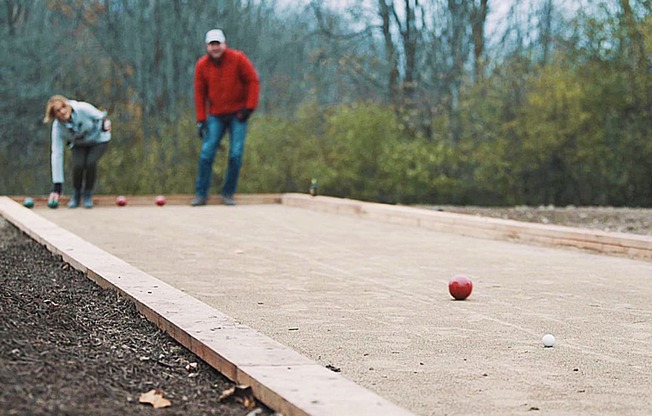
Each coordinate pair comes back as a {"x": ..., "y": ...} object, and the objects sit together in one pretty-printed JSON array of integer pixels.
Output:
[{"x": 56, "y": 156}]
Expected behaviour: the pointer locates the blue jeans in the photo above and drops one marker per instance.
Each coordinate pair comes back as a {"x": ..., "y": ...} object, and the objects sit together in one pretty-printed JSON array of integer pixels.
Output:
[{"x": 216, "y": 129}]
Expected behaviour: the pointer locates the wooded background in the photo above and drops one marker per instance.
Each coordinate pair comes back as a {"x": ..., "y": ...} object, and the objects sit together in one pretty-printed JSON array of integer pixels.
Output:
[{"x": 410, "y": 101}]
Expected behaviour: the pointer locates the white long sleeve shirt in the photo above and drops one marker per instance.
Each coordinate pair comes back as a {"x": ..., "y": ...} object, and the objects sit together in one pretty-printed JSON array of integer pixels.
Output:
[{"x": 83, "y": 129}]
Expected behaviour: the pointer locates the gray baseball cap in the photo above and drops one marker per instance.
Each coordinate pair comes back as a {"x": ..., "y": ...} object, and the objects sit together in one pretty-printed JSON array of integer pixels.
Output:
[{"x": 215, "y": 35}]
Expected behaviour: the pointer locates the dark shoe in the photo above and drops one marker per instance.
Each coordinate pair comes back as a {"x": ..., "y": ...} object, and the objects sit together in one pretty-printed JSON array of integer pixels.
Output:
[
  {"x": 198, "y": 201},
  {"x": 88, "y": 199},
  {"x": 74, "y": 200},
  {"x": 228, "y": 200}
]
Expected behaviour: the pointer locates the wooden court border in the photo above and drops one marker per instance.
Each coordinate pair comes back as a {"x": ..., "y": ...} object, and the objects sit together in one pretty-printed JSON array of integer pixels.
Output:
[
  {"x": 596, "y": 241},
  {"x": 280, "y": 377},
  {"x": 283, "y": 379}
]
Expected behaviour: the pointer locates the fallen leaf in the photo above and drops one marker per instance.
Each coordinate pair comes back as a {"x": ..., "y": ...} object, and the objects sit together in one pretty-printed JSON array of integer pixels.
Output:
[
  {"x": 155, "y": 398},
  {"x": 226, "y": 393},
  {"x": 241, "y": 394}
]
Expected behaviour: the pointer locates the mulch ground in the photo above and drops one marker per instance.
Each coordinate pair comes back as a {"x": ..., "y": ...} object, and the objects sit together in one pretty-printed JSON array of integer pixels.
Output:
[{"x": 69, "y": 347}]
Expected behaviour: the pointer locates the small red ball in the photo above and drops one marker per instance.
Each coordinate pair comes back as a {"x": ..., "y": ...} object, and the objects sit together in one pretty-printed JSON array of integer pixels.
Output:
[
  {"x": 460, "y": 287},
  {"x": 160, "y": 200},
  {"x": 121, "y": 201}
]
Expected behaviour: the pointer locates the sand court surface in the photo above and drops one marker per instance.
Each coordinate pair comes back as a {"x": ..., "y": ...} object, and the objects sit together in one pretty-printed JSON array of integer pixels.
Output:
[{"x": 370, "y": 299}]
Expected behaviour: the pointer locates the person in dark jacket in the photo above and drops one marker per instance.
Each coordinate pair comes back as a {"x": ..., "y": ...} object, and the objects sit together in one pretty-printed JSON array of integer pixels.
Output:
[
  {"x": 226, "y": 94},
  {"x": 87, "y": 131}
]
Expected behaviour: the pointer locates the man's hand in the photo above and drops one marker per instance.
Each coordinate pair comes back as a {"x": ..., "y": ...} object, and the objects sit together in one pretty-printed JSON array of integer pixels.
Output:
[
  {"x": 54, "y": 197},
  {"x": 201, "y": 129},
  {"x": 244, "y": 114}
]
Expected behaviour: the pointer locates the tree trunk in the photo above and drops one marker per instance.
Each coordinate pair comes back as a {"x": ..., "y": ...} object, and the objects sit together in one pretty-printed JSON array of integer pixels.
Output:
[
  {"x": 478, "y": 21},
  {"x": 385, "y": 10},
  {"x": 546, "y": 31},
  {"x": 409, "y": 36},
  {"x": 457, "y": 31}
]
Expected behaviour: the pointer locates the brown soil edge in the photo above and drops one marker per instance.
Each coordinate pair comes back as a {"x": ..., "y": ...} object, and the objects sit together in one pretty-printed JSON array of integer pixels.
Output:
[
  {"x": 280, "y": 378},
  {"x": 628, "y": 220}
]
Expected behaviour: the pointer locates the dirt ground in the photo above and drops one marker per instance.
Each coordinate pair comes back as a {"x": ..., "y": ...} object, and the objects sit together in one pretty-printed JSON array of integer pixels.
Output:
[
  {"x": 69, "y": 347},
  {"x": 622, "y": 220}
]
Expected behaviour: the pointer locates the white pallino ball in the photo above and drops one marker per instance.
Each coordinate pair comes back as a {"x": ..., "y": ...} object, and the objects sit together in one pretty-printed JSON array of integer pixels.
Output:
[{"x": 548, "y": 340}]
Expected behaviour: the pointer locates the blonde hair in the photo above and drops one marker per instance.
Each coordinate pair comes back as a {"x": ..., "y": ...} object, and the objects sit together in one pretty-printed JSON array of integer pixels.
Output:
[{"x": 49, "y": 107}]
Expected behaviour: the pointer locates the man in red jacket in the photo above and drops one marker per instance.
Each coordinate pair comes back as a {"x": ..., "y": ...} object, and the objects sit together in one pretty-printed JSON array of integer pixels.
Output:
[{"x": 226, "y": 93}]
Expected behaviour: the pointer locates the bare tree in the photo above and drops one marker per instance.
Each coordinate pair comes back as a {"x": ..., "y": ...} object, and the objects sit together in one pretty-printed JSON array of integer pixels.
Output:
[
  {"x": 386, "y": 12},
  {"x": 27, "y": 76},
  {"x": 546, "y": 30},
  {"x": 457, "y": 32},
  {"x": 401, "y": 33},
  {"x": 478, "y": 22},
  {"x": 637, "y": 60},
  {"x": 16, "y": 12}
]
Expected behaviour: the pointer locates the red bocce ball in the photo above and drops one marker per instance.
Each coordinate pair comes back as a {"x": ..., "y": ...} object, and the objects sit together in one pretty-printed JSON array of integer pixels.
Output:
[{"x": 460, "y": 287}]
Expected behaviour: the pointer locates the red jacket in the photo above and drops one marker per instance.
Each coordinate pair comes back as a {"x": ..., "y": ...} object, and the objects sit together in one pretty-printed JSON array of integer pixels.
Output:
[{"x": 228, "y": 85}]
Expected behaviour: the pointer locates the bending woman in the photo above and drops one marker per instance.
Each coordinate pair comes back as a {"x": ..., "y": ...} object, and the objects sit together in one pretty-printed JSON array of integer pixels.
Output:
[{"x": 87, "y": 131}]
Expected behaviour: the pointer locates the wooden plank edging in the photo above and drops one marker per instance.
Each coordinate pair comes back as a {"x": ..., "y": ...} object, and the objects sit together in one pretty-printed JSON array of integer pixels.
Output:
[
  {"x": 631, "y": 245},
  {"x": 40, "y": 201},
  {"x": 280, "y": 377}
]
